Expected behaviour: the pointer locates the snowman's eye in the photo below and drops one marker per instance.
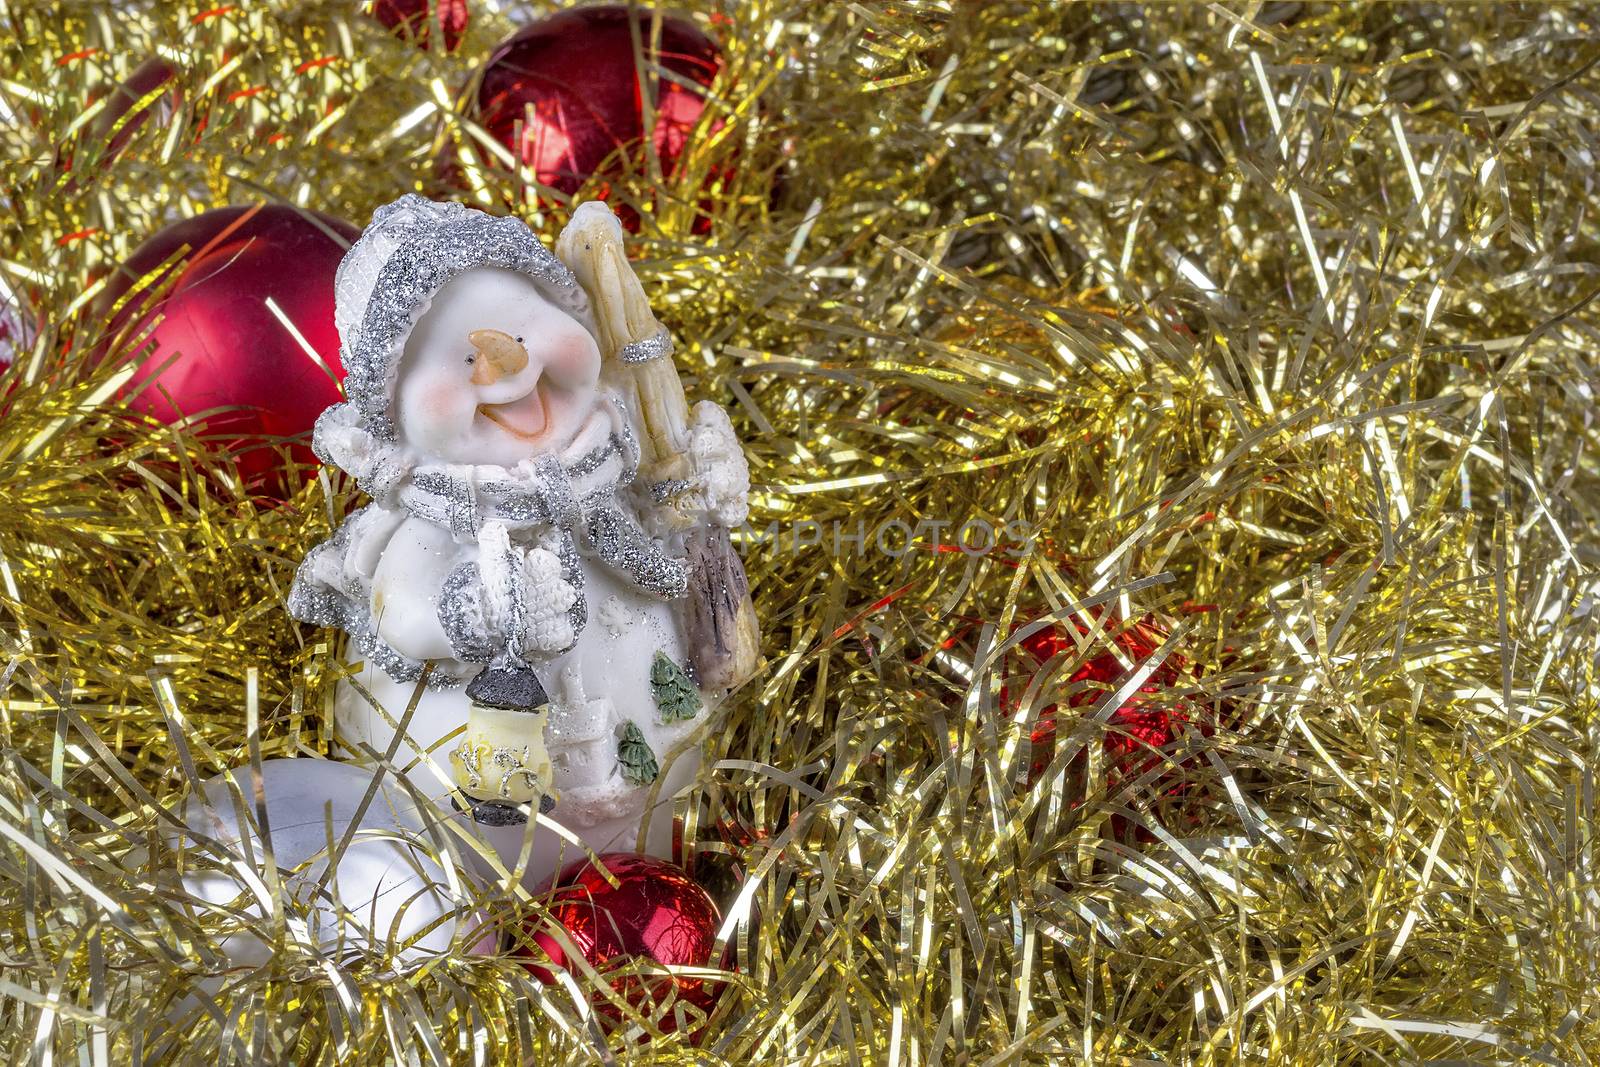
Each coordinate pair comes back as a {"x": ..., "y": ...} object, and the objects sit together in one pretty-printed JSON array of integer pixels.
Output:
[
  {"x": 519, "y": 340},
  {"x": 471, "y": 358}
]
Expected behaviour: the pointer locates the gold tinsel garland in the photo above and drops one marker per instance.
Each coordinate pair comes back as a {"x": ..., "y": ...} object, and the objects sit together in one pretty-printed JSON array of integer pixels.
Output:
[{"x": 1270, "y": 321}]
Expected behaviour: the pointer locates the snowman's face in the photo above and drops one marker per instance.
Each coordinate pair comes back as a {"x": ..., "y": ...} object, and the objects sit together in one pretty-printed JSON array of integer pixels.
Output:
[{"x": 494, "y": 373}]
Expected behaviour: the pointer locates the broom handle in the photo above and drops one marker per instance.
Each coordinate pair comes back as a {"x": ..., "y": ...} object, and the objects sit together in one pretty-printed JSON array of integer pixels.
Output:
[{"x": 639, "y": 362}]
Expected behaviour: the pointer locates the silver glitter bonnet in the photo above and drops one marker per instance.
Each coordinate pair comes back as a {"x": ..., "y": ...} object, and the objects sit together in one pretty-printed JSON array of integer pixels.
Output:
[{"x": 388, "y": 279}]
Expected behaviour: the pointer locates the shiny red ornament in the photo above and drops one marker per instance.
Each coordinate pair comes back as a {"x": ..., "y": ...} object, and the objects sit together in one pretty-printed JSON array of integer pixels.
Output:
[
  {"x": 212, "y": 339},
  {"x": 655, "y": 913},
  {"x": 18, "y": 327},
  {"x": 1150, "y": 720},
  {"x": 563, "y": 96},
  {"x": 124, "y": 112},
  {"x": 127, "y": 109},
  {"x": 414, "y": 20}
]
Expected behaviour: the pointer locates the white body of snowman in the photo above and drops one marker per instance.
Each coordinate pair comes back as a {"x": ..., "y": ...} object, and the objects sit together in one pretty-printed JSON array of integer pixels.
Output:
[{"x": 529, "y": 557}]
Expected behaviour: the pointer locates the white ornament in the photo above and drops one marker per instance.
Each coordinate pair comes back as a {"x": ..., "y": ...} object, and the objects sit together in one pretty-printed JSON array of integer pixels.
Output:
[
  {"x": 547, "y": 535},
  {"x": 389, "y": 894}
]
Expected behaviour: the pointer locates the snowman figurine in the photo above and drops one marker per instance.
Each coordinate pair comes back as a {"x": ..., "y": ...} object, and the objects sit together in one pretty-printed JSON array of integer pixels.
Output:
[{"x": 546, "y": 547}]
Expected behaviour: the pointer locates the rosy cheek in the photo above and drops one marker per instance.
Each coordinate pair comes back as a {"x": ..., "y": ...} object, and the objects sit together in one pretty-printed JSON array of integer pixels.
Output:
[
  {"x": 437, "y": 407},
  {"x": 571, "y": 360},
  {"x": 441, "y": 405}
]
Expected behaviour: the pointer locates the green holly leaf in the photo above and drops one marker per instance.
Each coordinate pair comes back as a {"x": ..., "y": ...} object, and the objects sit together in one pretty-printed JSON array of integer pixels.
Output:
[
  {"x": 633, "y": 752},
  {"x": 675, "y": 693}
]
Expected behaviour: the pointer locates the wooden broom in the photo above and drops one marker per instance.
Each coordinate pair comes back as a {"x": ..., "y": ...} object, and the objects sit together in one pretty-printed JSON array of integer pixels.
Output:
[{"x": 724, "y": 639}]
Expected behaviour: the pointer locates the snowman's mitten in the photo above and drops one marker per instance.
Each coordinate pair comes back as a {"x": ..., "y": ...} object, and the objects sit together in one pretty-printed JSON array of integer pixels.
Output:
[
  {"x": 479, "y": 603},
  {"x": 548, "y": 597},
  {"x": 500, "y": 567},
  {"x": 721, "y": 473},
  {"x": 461, "y": 613}
]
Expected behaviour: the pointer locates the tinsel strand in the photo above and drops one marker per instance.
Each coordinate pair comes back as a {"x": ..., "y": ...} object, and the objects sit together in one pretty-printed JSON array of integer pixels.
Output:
[{"x": 1270, "y": 322}]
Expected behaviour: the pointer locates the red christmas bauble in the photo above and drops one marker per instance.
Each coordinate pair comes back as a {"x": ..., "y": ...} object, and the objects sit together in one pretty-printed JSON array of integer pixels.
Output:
[
  {"x": 216, "y": 341},
  {"x": 124, "y": 112},
  {"x": 414, "y": 20},
  {"x": 654, "y": 913},
  {"x": 562, "y": 94},
  {"x": 1148, "y": 721},
  {"x": 124, "y": 107},
  {"x": 17, "y": 330}
]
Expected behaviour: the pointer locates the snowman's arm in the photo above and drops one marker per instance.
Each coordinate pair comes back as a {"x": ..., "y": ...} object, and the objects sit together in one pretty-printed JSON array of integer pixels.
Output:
[
  {"x": 634, "y": 555},
  {"x": 405, "y": 591}
]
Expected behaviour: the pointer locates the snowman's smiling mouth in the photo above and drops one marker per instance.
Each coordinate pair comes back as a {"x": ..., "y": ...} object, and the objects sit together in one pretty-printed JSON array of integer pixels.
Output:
[{"x": 526, "y": 419}]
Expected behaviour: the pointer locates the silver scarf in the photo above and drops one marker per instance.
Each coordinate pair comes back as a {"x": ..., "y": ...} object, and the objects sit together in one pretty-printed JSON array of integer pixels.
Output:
[
  {"x": 573, "y": 497},
  {"x": 576, "y": 494}
]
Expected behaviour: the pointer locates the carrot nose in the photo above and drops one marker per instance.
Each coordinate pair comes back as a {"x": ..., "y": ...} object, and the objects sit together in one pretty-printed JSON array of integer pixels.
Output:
[{"x": 499, "y": 355}]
